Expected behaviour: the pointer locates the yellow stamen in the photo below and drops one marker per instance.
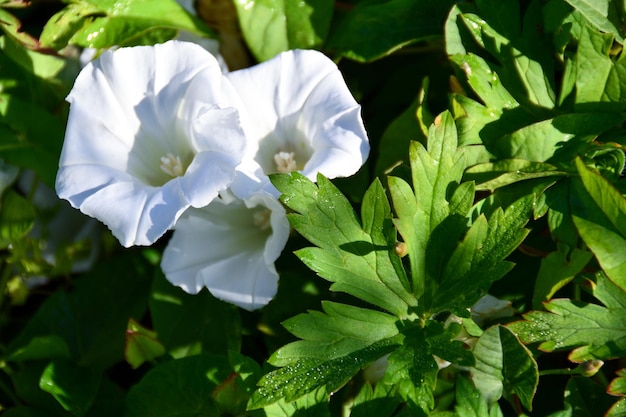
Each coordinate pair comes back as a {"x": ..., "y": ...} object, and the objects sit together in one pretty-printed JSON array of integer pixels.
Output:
[{"x": 171, "y": 165}]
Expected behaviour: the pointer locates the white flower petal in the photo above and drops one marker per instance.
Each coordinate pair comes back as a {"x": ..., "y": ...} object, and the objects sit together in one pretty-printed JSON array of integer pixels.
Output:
[
  {"x": 137, "y": 116},
  {"x": 230, "y": 248},
  {"x": 297, "y": 103}
]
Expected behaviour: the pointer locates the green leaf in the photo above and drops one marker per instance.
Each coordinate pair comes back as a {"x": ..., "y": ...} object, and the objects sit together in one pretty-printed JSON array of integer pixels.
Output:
[
  {"x": 358, "y": 258},
  {"x": 478, "y": 260},
  {"x": 595, "y": 331},
  {"x": 182, "y": 388},
  {"x": 492, "y": 175},
  {"x": 471, "y": 403},
  {"x": 504, "y": 367},
  {"x": 17, "y": 218},
  {"x": 32, "y": 137},
  {"x": 599, "y": 213},
  {"x": 394, "y": 144},
  {"x": 556, "y": 270},
  {"x": 377, "y": 401},
  {"x": 336, "y": 345},
  {"x": 586, "y": 398},
  {"x": 373, "y": 29},
  {"x": 421, "y": 210},
  {"x": 73, "y": 386},
  {"x": 617, "y": 386},
  {"x": 342, "y": 330},
  {"x": 600, "y": 79},
  {"x": 485, "y": 82},
  {"x": 606, "y": 15},
  {"x": 412, "y": 371},
  {"x": 64, "y": 24},
  {"x": 102, "y": 24},
  {"x": 83, "y": 317},
  {"x": 141, "y": 345},
  {"x": 314, "y": 404},
  {"x": 545, "y": 140},
  {"x": 13, "y": 28},
  {"x": 191, "y": 324},
  {"x": 526, "y": 64},
  {"x": 273, "y": 26}
]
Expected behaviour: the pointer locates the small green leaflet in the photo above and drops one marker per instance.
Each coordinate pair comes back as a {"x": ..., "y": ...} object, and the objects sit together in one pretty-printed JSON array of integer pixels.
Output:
[{"x": 597, "y": 332}]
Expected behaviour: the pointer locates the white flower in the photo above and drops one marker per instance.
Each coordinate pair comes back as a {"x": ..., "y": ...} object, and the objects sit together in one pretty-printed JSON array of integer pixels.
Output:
[
  {"x": 299, "y": 115},
  {"x": 150, "y": 133},
  {"x": 229, "y": 247}
]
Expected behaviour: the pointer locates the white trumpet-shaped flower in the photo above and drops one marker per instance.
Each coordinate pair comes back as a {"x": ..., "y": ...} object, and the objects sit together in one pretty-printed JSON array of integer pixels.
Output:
[
  {"x": 229, "y": 247},
  {"x": 151, "y": 132},
  {"x": 299, "y": 115}
]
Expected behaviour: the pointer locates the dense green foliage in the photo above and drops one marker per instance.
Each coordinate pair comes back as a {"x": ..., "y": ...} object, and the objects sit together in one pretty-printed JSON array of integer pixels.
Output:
[{"x": 497, "y": 167}]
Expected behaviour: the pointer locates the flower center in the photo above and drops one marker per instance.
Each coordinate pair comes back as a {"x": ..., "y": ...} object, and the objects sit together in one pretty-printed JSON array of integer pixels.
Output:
[
  {"x": 261, "y": 219},
  {"x": 285, "y": 162},
  {"x": 171, "y": 165}
]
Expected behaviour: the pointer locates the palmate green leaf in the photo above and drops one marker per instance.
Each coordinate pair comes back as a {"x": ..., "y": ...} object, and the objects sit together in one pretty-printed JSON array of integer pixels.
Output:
[
  {"x": 102, "y": 24},
  {"x": 504, "y": 367},
  {"x": 599, "y": 213},
  {"x": 420, "y": 210},
  {"x": 273, "y": 26},
  {"x": 336, "y": 344},
  {"x": 358, "y": 257},
  {"x": 373, "y": 29},
  {"x": 597, "y": 332}
]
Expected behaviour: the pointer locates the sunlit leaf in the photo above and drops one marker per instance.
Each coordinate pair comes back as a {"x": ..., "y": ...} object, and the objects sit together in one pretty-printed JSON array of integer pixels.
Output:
[{"x": 273, "y": 26}]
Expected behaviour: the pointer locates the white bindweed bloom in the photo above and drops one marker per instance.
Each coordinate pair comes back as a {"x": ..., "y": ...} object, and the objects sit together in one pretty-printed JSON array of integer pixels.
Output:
[
  {"x": 299, "y": 115},
  {"x": 150, "y": 133},
  {"x": 229, "y": 247}
]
